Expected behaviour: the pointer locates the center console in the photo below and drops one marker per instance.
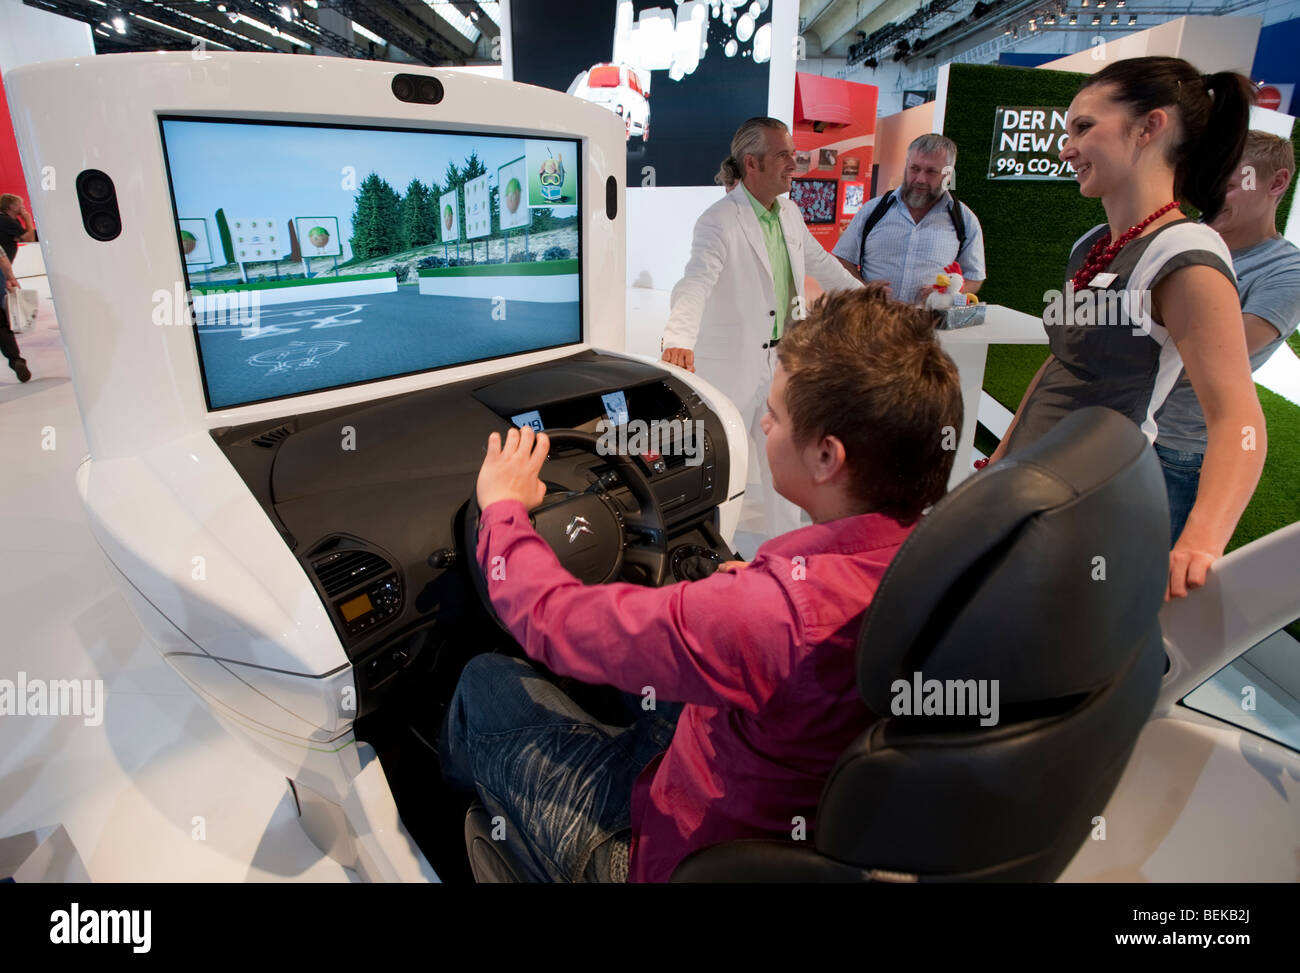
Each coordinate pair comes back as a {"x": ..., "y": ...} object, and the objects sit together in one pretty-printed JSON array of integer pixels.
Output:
[{"x": 370, "y": 498}]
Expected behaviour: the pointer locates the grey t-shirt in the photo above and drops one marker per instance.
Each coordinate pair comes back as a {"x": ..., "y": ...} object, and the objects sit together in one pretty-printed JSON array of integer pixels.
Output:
[{"x": 1268, "y": 282}]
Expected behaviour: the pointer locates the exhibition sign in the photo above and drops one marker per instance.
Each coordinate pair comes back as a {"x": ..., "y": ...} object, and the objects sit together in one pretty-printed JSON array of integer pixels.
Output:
[
  {"x": 449, "y": 217},
  {"x": 256, "y": 240},
  {"x": 318, "y": 236},
  {"x": 478, "y": 215},
  {"x": 194, "y": 241},
  {"x": 511, "y": 179},
  {"x": 1027, "y": 143},
  {"x": 550, "y": 182}
]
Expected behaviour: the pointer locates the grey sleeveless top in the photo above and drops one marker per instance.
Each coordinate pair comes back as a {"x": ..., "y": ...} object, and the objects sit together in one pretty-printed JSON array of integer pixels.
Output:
[{"x": 1106, "y": 347}]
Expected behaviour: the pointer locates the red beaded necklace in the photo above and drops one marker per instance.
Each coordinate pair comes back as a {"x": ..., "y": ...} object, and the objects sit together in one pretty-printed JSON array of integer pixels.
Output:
[{"x": 1103, "y": 251}]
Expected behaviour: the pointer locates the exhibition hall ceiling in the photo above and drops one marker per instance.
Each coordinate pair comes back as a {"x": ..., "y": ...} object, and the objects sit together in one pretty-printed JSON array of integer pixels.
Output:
[{"x": 432, "y": 32}]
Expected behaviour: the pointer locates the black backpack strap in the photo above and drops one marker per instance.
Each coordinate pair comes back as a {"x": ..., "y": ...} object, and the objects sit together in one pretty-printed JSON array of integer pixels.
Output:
[
  {"x": 876, "y": 216},
  {"x": 958, "y": 222}
]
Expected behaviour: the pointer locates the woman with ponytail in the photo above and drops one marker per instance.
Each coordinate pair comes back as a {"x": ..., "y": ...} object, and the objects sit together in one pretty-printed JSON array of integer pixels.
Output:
[{"x": 1151, "y": 292}]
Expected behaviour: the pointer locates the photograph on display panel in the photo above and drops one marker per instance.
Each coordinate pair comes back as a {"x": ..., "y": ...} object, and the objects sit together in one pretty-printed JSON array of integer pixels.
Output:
[
  {"x": 194, "y": 241},
  {"x": 682, "y": 76},
  {"x": 515, "y": 211},
  {"x": 318, "y": 236}
]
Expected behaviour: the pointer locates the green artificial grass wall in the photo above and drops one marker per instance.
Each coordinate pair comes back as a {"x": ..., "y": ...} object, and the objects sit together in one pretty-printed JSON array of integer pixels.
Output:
[
  {"x": 1029, "y": 224},
  {"x": 1276, "y": 502}
]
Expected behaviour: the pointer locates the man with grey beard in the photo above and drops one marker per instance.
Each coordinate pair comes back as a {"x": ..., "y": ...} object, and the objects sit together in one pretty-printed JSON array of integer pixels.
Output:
[{"x": 910, "y": 234}]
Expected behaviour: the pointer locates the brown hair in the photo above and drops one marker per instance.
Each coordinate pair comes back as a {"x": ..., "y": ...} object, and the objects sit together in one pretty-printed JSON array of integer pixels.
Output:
[
  {"x": 1213, "y": 111},
  {"x": 728, "y": 172},
  {"x": 1263, "y": 149},
  {"x": 8, "y": 199},
  {"x": 870, "y": 372}
]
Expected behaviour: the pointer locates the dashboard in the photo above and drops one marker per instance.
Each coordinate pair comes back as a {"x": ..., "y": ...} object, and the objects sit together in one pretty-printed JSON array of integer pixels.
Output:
[{"x": 371, "y": 498}]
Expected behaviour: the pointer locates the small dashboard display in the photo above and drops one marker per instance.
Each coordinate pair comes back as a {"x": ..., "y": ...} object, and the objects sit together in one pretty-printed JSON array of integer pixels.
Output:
[
  {"x": 355, "y": 608},
  {"x": 616, "y": 407},
  {"x": 531, "y": 418}
]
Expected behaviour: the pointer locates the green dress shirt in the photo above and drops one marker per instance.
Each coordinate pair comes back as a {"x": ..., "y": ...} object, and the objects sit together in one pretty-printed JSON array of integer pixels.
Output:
[{"x": 769, "y": 221}]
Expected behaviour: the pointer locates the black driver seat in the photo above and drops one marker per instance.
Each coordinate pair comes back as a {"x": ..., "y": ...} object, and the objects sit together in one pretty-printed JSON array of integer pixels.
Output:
[{"x": 1044, "y": 573}]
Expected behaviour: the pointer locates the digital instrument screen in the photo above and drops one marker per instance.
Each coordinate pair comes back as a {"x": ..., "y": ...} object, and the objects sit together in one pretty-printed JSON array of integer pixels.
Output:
[
  {"x": 355, "y": 608},
  {"x": 531, "y": 418},
  {"x": 615, "y": 407},
  {"x": 321, "y": 256}
]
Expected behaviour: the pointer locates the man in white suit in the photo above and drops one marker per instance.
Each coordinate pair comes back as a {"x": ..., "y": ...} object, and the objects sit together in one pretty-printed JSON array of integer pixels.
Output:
[{"x": 743, "y": 284}]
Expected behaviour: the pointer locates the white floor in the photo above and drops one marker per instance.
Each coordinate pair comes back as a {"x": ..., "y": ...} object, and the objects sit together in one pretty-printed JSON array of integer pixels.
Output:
[{"x": 128, "y": 791}]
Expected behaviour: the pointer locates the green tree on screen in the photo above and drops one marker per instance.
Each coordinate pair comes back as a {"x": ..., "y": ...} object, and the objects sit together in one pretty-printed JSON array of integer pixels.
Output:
[
  {"x": 417, "y": 216},
  {"x": 376, "y": 225}
]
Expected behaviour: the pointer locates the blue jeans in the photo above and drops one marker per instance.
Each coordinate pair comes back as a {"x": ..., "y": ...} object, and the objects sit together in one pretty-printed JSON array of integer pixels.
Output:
[
  {"x": 1182, "y": 471},
  {"x": 561, "y": 781}
]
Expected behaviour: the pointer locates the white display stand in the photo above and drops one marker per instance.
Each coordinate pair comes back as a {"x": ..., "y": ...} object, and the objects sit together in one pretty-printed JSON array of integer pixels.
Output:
[{"x": 969, "y": 348}]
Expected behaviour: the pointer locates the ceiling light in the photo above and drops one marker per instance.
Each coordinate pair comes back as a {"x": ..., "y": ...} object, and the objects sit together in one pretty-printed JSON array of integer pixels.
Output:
[
  {"x": 1114, "y": 20},
  {"x": 286, "y": 13},
  {"x": 119, "y": 25},
  {"x": 1074, "y": 19},
  {"x": 1132, "y": 20},
  {"x": 1095, "y": 21}
]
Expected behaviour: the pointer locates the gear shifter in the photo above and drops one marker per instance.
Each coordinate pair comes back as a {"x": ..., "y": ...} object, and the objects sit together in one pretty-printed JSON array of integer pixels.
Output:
[{"x": 691, "y": 562}]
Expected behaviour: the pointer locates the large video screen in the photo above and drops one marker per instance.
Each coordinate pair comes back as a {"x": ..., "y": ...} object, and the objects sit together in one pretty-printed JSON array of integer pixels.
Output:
[
  {"x": 321, "y": 256},
  {"x": 680, "y": 75}
]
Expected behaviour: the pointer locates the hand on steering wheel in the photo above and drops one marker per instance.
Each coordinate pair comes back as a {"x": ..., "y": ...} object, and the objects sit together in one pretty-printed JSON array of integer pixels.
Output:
[
  {"x": 570, "y": 508},
  {"x": 510, "y": 469}
]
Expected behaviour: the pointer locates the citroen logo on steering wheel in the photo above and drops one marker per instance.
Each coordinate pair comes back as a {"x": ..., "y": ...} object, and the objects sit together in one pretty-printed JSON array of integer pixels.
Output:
[{"x": 577, "y": 526}]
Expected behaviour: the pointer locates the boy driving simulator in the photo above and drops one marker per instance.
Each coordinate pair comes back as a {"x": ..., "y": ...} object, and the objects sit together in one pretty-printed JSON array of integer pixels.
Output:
[{"x": 761, "y": 654}]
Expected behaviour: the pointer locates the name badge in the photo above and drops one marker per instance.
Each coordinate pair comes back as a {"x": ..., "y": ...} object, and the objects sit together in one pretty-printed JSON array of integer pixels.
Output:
[{"x": 1102, "y": 280}]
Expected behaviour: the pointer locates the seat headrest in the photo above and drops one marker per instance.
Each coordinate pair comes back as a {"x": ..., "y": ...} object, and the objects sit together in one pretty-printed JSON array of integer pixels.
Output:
[{"x": 1044, "y": 571}]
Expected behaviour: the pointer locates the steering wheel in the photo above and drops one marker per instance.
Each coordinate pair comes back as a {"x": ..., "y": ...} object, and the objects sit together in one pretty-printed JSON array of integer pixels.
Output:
[{"x": 588, "y": 530}]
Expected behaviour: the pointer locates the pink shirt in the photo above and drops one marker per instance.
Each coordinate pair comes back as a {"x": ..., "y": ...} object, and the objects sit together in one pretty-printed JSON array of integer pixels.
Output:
[{"x": 763, "y": 657}]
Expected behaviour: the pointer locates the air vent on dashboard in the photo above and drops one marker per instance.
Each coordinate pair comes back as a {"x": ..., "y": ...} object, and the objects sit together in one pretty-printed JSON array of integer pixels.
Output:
[
  {"x": 342, "y": 570},
  {"x": 268, "y": 440}
]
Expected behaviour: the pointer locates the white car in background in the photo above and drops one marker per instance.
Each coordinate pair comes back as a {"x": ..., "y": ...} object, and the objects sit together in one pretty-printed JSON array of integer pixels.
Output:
[{"x": 623, "y": 90}]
